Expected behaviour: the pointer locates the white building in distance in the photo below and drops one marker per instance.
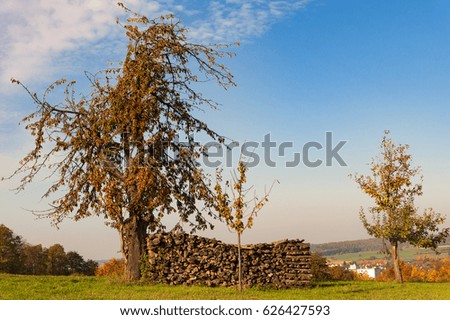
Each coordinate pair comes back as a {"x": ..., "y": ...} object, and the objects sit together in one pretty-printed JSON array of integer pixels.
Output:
[{"x": 371, "y": 272}]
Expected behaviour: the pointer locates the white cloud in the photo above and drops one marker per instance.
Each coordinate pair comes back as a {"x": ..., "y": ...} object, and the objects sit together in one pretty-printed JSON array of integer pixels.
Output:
[
  {"x": 42, "y": 38},
  {"x": 36, "y": 33}
]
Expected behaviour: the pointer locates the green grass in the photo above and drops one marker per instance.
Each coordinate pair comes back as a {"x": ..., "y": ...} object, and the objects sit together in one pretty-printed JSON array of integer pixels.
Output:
[
  {"x": 96, "y": 288},
  {"x": 355, "y": 256}
]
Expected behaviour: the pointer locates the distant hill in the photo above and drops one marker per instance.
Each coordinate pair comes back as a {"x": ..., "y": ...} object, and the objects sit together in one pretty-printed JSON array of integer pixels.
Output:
[{"x": 351, "y": 246}]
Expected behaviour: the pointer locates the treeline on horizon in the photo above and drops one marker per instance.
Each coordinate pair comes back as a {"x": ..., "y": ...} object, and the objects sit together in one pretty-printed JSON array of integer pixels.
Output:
[
  {"x": 352, "y": 246},
  {"x": 20, "y": 257}
]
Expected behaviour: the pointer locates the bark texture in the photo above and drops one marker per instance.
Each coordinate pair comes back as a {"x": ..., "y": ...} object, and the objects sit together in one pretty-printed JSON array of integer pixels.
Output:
[
  {"x": 396, "y": 261},
  {"x": 134, "y": 247}
]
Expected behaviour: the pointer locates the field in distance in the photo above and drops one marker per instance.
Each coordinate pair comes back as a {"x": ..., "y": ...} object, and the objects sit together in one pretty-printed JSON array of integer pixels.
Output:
[
  {"x": 19, "y": 287},
  {"x": 371, "y": 249}
]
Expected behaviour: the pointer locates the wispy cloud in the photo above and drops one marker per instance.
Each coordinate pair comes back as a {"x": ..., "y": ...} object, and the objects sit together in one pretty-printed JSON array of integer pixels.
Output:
[
  {"x": 43, "y": 37},
  {"x": 239, "y": 20}
]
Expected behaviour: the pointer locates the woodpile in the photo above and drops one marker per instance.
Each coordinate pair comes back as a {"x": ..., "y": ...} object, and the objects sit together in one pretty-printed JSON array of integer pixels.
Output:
[{"x": 181, "y": 259}]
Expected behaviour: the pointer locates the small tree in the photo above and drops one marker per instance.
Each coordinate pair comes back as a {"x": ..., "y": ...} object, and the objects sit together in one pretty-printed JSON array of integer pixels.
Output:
[
  {"x": 234, "y": 209},
  {"x": 89, "y": 268},
  {"x": 319, "y": 268},
  {"x": 77, "y": 265},
  {"x": 394, "y": 216}
]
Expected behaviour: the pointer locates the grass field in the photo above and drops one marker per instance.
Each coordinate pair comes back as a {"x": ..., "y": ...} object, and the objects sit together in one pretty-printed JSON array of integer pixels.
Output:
[
  {"x": 97, "y": 288},
  {"x": 407, "y": 254}
]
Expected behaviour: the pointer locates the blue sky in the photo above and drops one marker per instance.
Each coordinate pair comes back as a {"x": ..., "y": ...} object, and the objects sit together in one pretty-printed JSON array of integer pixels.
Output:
[{"x": 354, "y": 68}]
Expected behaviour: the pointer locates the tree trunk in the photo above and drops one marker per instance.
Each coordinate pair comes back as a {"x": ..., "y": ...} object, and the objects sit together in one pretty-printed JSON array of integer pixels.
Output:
[
  {"x": 396, "y": 261},
  {"x": 239, "y": 262},
  {"x": 134, "y": 236}
]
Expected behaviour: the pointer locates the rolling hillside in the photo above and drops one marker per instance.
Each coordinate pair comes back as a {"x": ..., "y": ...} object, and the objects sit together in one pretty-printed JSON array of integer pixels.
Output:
[{"x": 372, "y": 249}]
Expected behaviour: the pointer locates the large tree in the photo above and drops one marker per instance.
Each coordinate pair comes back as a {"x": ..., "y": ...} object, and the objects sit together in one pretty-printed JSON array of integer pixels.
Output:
[
  {"x": 117, "y": 151},
  {"x": 394, "y": 184}
]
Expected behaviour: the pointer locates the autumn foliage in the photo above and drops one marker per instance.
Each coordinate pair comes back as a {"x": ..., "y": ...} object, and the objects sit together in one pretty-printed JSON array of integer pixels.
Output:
[
  {"x": 321, "y": 271},
  {"x": 422, "y": 270},
  {"x": 114, "y": 267},
  {"x": 393, "y": 186},
  {"x": 116, "y": 151},
  {"x": 20, "y": 257}
]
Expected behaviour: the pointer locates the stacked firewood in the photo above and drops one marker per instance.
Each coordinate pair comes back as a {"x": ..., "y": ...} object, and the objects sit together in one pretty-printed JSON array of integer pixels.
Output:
[{"x": 181, "y": 259}]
